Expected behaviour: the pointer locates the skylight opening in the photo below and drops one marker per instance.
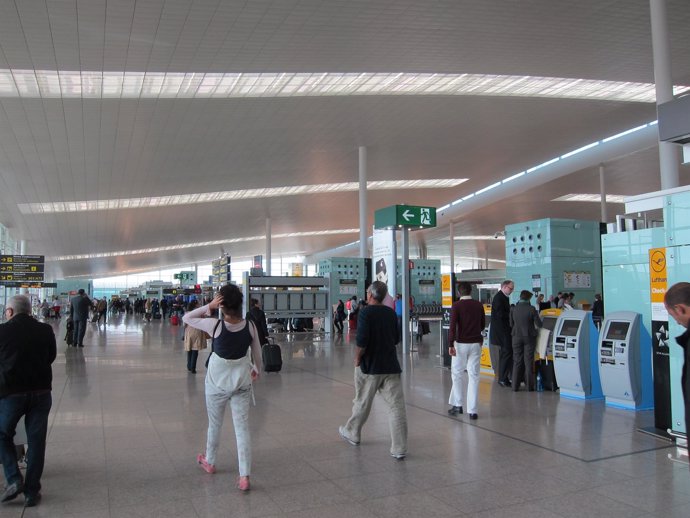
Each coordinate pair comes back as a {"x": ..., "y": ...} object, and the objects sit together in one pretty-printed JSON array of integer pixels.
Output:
[
  {"x": 180, "y": 246},
  {"x": 244, "y": 194},
  {"x": 127, "y": 84},
  {"x": 593, "y": 198}
]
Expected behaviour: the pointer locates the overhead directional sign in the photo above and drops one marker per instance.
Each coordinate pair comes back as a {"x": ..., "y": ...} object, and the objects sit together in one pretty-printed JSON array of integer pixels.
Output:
[
  {"x": 32, "y": 284},
  {"x": 20, "y": 270},
  {"x": 21, "y": 276},
  {"x": 405, "y": 216},
  {"x": 23, "y": 259},
  {"x": 21, "y": 267}
]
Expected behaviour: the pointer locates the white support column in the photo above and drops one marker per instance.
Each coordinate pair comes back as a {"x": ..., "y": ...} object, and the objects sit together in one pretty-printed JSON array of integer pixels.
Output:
[
  {"x": 267, "y": 268},
  {"x": 452, "y": 247},
  {"x": 602, "y": 192},
  {"x": 668, "y": 152},
  {"x": 363, "y": 252},
  {"x": 22, "y": 247},
  {"x": 405, "y": 291}
]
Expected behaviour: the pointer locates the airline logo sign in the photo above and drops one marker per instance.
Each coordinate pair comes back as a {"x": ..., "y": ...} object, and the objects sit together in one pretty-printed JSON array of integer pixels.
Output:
[{"x": 658, "y": 283}]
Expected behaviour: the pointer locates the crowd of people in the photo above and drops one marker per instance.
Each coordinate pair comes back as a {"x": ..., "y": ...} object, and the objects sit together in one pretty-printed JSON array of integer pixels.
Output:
[
  {"x": 512, "y": 340},
  {"x": 27, "y": 350}
]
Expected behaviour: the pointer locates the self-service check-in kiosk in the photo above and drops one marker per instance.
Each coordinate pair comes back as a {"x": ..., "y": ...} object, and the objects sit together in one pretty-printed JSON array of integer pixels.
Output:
[
  {"x": 575, "y": 355},
  {"x": 622, "y": 362},
  {"x": 543, "y": 356}
]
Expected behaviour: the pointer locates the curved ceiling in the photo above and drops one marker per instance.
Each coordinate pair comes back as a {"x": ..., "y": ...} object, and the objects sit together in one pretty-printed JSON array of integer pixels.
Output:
[{"x": 70, "y": 148}]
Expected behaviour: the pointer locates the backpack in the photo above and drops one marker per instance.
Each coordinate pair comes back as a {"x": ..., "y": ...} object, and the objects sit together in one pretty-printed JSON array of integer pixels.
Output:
[{"x": 259, "y": 330}]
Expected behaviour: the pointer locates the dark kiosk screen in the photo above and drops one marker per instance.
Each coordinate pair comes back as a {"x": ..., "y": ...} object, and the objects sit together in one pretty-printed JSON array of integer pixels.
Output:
[
  {"x": 617, "y": 330},
  {"x": 549, "y": 323},
  {"x": 570, "y": 327}
]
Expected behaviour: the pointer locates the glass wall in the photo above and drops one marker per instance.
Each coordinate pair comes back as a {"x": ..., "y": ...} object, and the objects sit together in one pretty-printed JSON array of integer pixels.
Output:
[{"x": 107, "y": 286}]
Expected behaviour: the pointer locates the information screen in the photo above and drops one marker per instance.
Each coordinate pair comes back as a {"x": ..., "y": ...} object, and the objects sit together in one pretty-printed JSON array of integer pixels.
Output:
[
  {"x": 617, "y": 330},
  {"x": 570, "y": 327}
]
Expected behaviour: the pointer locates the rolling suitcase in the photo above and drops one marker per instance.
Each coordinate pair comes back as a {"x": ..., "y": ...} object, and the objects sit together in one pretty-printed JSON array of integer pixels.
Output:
[
  {"x": 174, "y": 320},
  {"x": 548, "y": 375},
  {"x": 156, "y": 316},
  {"x": 271, "y": 357}
]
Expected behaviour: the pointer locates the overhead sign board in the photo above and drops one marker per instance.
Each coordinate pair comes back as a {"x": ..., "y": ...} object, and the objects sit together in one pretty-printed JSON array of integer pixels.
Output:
[
  {"x": 405, "y": 216},
  {"x": 21, "y": 267},
  {"x": 24, "y": 284},
  {"x": 22, "y": 259},
  {"x": 21, "y": 276}
]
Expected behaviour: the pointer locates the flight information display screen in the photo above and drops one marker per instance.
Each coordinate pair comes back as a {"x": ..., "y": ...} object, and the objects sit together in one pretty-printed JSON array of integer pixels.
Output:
[
  {"x": 617, "y": 330},
  {"x": 570, "y": 327}
]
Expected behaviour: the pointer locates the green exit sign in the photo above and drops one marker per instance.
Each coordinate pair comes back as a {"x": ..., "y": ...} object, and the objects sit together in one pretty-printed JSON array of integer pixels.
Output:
[{"x": 405, "y": 216}]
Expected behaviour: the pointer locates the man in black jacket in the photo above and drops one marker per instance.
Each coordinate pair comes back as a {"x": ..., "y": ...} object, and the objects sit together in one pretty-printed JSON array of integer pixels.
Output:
[
  {"x": 499, "y": 334},
  {"x": 27, "y": 350},
  {"x": 377, "y": 370},
  {"x": 677, "y": 302},
  {"x": 524, "y": 321},
  {"x": 79, "y": 309}
]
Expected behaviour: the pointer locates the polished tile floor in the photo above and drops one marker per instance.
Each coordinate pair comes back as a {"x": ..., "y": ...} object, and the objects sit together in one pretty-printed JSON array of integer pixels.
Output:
[{"x": 128, "y": 421}]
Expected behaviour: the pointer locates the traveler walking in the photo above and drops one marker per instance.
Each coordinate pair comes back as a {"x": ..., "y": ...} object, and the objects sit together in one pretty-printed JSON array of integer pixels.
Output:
[
  {"x": 377, "y": 370},
  {"x": 467, "y": 321},
  {"x": 229, "y": 377},
  {"x": 79, "y": 309},
  {"x": 27, "y": 350}
]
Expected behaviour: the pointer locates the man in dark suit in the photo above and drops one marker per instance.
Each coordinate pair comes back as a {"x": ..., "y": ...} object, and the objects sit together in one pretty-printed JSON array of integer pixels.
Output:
[
  {"x": 524, "y": 321},
  {"x": 27, "y": 350},
  {"x": 499, "y": 335},
  {"x": 677, "y": 303},
  {"x": 79, "y": 309}
]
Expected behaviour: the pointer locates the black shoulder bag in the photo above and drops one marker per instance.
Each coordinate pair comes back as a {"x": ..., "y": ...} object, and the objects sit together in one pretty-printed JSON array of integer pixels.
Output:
[{"x": 213, "y": 339}]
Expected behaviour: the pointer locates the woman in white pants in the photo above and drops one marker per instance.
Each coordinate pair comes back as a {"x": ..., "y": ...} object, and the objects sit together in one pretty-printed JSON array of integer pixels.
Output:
[{"x": 229, "y": 376}]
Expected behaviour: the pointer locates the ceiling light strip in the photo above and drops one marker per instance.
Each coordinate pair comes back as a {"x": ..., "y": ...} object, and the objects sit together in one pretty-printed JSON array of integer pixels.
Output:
[
  {"x": 181, "y": 246},
  {"x": 63, "y": 84},
  {"x": 243, "y": 194},
  {"x": 611, "y": 199}
]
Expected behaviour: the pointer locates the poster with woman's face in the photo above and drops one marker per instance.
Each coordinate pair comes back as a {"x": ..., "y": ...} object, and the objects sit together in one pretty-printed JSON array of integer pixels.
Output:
[{"x": 381, "y": 271}]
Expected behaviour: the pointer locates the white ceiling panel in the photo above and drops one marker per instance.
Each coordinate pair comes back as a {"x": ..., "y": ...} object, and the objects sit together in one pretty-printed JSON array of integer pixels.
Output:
[{"x": 74, "y": 145}]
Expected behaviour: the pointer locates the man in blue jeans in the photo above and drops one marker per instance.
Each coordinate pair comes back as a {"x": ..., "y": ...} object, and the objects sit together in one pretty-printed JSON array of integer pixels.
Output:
[{"x": 27, "y": 350}]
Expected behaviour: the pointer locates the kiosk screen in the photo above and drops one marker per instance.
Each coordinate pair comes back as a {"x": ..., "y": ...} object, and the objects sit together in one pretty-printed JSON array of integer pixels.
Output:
[
  {"x": 570, "y": 327},
  {"x": 617, "y": 330},
  {"x": 549, "y": 323}
]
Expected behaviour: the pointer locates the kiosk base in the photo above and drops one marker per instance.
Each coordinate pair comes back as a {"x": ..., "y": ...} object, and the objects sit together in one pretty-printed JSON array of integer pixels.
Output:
[
  {"x": 578, "y": 394},
  {"x": 626, "y": 404}
]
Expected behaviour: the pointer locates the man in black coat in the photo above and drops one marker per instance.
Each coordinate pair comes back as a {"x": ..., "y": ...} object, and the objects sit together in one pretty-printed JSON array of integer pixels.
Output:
[
  {"x": 524, "y": 321},
  {"x": 499, "y": 335},
  {"x": 27, "y": 350},
  {"x": 79, "y": 309},
  {"x": 677, "y": 303}
]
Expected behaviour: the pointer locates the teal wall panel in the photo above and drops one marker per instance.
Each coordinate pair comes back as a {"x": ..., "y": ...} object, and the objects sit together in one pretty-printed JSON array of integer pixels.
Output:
[
  {"x": 631, "y": 247},
  {"x": 549, "y": 248}
]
